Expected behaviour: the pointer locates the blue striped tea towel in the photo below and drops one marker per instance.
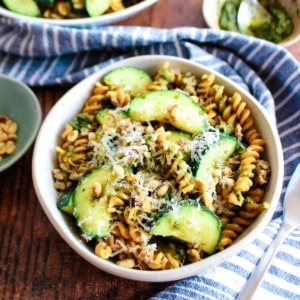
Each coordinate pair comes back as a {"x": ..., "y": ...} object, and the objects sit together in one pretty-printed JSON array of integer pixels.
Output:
[{"x": 269, "y": 72}]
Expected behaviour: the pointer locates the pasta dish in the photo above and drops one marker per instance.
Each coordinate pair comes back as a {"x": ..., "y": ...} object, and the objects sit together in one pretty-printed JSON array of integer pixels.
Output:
[{"x": 161, "y": 171}]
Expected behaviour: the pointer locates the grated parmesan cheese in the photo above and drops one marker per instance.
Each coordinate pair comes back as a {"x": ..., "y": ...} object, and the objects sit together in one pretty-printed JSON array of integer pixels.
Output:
[{"x": 202, "y": 142}]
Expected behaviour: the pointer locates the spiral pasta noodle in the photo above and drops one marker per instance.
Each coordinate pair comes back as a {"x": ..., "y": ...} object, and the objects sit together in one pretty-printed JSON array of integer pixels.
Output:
[
  {"x": 238, "y": 223},
  {"x": 205, "y": 85}
]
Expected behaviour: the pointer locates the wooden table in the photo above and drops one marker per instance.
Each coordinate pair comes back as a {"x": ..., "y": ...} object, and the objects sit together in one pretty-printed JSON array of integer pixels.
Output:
[{"x": 35, "y": 263}]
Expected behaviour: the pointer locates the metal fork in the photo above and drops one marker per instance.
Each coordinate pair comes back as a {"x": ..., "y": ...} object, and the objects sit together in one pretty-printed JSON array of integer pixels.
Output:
[{"x": 291, "y": 220}]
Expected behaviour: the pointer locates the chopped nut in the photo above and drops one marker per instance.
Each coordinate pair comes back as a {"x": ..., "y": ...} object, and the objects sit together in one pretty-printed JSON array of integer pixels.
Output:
[
  {"x": 118, "y": 171},
  {"x": 3, "y": 136},
  {"x": 97, "y": 189},
  {"x": 12, "y": 137},
  {"x": 8, "y": 136},
  {"x": 12, "y": 127},
  {"x": 72, "y": 136},
  {"x": 126, "y": 263},
  {"x": 10, "y": 147},
  {"x": 174, "y": 111},
  {"x": 162, "y": 190},
  {"x": 92, "y": 136}
]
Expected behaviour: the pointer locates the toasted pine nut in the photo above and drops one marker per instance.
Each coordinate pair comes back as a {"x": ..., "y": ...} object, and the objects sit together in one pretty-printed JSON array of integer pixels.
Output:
[{"x": 97, "y": 189}]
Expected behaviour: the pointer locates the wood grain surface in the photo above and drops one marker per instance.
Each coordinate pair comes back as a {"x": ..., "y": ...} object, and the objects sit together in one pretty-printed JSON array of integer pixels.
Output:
[{"x": 35, "y": 263}]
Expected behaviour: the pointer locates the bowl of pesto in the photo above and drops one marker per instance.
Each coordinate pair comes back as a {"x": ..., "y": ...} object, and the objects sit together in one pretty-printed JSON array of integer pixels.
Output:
[{"x": 276, "y": 21}]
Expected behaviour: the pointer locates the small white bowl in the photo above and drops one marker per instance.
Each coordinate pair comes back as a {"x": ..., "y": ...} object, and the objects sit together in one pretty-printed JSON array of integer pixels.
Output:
[
  {"x": 70, "y": 104},
  {"x": 211, "y": 11},
  {"x": 84, "y": 22},
  {"x": 19, "y": 104}
]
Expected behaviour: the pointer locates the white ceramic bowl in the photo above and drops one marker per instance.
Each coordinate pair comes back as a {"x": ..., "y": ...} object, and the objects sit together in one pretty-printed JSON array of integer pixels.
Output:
[
  {"x": 70, "y": 104},
  {"x": 84, "y": 22},
  {"x": 211, "y": 12},
  {"x": 19, "y": 104}
]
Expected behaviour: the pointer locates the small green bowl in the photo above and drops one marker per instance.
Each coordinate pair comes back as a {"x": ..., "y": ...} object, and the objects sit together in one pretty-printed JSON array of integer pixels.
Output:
[{"x": 19, "y": 103}]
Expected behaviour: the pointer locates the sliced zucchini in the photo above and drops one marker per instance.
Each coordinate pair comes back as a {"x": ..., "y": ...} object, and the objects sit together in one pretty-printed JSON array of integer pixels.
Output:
[
  {"x": 65, "y": 200},
  {"x": 169, "y": 106},
  {"x": 216, "y": 154},
  {"x": 132, "y": 79},
  {"x": 23, "y": 7},
  {"x": 90, "y": 211},
  {"x": 178, "y": 136},
  {"x": 181, "y": 139},
  {"x": 45, "y": 2},
  {"x": 191, "y": 223},
  {"x": 109, "y": 117},
  {"x": 97, "y": 8}
]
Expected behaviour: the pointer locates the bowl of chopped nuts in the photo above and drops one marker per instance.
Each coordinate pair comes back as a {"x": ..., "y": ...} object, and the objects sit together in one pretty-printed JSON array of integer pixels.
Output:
[
  {"x": 20, "y": 118},
  {"x": 75, "y": 13}
]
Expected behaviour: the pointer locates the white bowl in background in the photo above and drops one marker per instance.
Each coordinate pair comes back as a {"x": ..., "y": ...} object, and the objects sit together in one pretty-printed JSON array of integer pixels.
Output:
[
  {"x": 84, "y": 22},
  {"x": 44, "y": 160},
  {"x": 211, "y": 11}
]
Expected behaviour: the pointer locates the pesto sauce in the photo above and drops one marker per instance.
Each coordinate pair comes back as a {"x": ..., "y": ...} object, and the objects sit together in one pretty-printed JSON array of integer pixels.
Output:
[
  {"x": 281, "y": 25},
  {"x": 228, "y": 16}
]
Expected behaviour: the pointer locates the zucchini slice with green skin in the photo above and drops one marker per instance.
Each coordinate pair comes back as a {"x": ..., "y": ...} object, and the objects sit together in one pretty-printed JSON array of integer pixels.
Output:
[
  {"x": 23, "y": 7},
  {"x": 96, "y": 8},
  {"x": 191, "y": 223},
  {"x": 169, "y": 106},
  {"x": 65, "y": 200},
  {"x": 177, "y": 136},
  {"x": 90, "y": 211},
  {"x": 109, "y": 117},
  {"x": 45, "y": 2},
  {"x": 132, "y": 80},
  {"x": 217, "y": 153},
  {"x": 181, "y": 139}
]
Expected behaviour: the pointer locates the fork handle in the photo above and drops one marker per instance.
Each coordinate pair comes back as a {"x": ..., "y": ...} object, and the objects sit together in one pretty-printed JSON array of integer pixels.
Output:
[{"x": 249, "y": 290}]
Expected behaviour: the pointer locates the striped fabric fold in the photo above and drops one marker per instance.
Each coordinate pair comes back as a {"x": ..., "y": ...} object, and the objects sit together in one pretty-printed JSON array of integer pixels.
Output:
[{"x": 42, "y": 55}]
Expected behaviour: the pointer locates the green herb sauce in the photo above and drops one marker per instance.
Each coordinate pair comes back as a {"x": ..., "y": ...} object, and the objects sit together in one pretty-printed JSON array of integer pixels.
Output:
[
  {"x": 228, "y": 16},
  {"x": 280, "y": 27}
]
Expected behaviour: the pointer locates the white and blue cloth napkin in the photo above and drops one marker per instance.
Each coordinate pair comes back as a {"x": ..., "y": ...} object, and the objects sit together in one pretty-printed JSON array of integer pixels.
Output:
[{"x": 47, "y": 55}]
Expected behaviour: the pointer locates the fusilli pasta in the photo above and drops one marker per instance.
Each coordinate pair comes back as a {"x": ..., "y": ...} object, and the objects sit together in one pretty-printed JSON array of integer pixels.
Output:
[{"x": 154, "y": 169}]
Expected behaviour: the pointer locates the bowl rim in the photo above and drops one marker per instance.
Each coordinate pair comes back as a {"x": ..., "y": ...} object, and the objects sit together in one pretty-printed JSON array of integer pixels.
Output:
[
  {"x": 85, "y": 22},
  {"x": 55, "y": 217},
  {"x": 14, "y": 157}
]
